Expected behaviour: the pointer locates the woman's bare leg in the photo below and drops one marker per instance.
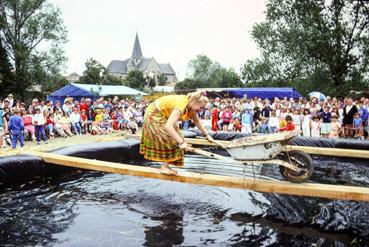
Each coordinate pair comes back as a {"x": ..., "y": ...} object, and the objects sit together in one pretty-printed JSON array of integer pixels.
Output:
[{"x": 165, "y": 169}]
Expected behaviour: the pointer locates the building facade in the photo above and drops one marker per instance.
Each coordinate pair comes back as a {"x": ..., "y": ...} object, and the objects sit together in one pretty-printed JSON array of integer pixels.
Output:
[{"x": 149, "y": 66}]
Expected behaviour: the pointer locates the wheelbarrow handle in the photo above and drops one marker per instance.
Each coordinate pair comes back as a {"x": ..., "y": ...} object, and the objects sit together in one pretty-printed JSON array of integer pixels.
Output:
[
  {"x": 211, "y": 155},
  {"x": 219, "y": 144}
]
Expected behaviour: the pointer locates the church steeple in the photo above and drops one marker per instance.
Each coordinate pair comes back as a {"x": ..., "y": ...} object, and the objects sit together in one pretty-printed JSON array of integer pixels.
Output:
[{"x": 136, "y": 53}]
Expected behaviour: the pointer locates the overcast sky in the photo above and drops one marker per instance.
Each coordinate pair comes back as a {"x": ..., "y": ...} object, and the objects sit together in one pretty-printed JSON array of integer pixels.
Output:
[{"x": 169, "y": 30}]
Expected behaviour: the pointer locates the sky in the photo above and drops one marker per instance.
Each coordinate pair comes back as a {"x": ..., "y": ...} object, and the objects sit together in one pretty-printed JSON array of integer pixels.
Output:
[{"x": 171, "y": 31}]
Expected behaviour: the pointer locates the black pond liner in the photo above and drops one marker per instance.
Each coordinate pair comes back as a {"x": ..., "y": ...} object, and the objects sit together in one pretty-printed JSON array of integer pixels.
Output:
[{"x": 333, "y": 216}]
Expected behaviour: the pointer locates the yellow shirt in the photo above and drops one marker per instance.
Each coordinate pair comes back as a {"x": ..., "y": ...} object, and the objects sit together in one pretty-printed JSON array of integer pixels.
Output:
[
  {"x": 99, "y": 117},
  {"x": 168, "y": 103}
]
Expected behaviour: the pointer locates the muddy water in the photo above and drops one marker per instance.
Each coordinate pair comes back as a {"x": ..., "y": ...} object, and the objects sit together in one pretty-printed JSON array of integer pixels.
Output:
[{"x": 93, "y": 209}]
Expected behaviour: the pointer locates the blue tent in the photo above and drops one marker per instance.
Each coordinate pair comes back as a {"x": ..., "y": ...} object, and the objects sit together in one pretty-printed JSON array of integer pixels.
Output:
[
  {"x": 262, "y": 92},
  {"x": 92, "y": 91}
]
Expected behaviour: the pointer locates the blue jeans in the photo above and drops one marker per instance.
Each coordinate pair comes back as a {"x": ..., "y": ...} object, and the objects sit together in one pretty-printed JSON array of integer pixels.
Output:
[
  {"x": 40, "y": 129},
  {"x": 17, "y": 135},
  {"x": 77, "y": 128},
  {"x": 186, "y": 125}
]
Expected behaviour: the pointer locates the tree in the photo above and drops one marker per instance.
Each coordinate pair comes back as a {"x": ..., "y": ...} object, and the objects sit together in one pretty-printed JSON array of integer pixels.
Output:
[
  {"x": 96, "y": 73},
  {"x": 24, "y": 26},
  {"x": 186, "y": 85},
  {"x": 135, "y": 79},
  {"x": 207, "y": 73},
  {"x": 5, "y": 71},
  {"x": 302, "y": 41},
  {"x": 162, "y": 80}
]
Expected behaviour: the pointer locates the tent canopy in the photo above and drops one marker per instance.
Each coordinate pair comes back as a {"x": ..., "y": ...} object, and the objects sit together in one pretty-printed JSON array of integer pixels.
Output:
[
  {"x": 78, "y": 91},
  {"x": 261, "y": 92}
]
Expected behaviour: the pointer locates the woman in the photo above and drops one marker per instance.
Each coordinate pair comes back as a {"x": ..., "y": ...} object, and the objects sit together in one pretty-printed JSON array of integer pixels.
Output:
[{"x": 161, "y": 139}]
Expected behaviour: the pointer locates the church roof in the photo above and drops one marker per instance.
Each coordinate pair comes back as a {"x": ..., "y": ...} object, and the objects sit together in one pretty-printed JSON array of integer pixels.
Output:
[
  {"x": 118, "y": 66},
  {"x": 137, "y": 52},
  {"x": 121, "y": 66},
  {"x": 166, "y": 68}
]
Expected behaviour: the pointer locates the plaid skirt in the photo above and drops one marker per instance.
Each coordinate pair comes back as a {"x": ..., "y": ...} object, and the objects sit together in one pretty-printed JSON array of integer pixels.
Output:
[{"x": 156, "y": 142}]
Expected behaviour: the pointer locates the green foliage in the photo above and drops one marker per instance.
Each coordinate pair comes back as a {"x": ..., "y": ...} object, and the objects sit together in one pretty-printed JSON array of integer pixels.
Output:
[
  {"x": 162, "y": 80},
  {"x": 186, "y": 85},
  {"x": 205, "y": 73},
  {"x": 96, "y": 73},
  {"x": 24, "y": 25},
  {"x": 5, "y": 71},
  {"x": 135, "y": 79},
  {"x": 312, "y": 45}
]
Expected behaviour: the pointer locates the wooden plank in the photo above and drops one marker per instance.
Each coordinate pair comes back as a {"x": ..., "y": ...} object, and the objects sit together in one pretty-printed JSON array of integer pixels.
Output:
[
  {"x": 338, "y": 152},
  {"x": 259, "y": 185}
]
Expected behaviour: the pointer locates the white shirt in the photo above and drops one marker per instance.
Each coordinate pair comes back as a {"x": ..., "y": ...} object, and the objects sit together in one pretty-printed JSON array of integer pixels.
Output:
[
  {"x": 38, "y": 119},
  {"x": 75, "y": 117}
]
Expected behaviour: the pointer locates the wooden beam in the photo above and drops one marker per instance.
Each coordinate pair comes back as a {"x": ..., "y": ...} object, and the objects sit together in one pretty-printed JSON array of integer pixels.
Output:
[{"x": 259, "y": 185}]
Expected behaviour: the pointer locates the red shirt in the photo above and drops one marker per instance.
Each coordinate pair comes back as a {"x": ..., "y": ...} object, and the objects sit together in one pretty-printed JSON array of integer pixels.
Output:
[
  {"x": 83, "y": 106},
  {"x": 215, "y": 114},
  {"x": 49, "y": 121},
  {"x": 288, "y": 127},
  {"x": 83, "y": 117}
]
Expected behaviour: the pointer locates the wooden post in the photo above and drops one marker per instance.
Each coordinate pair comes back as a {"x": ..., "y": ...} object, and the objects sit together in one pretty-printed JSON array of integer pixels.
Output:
[{"x": 305, "y": 189}]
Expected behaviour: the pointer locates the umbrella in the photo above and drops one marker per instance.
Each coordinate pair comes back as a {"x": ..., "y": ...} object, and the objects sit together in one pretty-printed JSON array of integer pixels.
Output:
[{"x": 317, "y": 95}]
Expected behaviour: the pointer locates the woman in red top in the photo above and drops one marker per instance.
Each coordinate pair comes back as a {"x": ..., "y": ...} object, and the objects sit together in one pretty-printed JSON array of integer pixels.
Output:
[
  {"x": 214, "y": 118},
  {"x": 28, "y": 127}
]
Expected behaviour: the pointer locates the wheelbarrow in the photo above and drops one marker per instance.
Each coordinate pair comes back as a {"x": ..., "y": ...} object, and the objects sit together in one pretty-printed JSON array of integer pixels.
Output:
[{"x": 294, "y": 166}]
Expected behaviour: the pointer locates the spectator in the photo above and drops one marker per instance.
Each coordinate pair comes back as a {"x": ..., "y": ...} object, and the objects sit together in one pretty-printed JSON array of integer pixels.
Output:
[
  {"x": 315, "y": 126},
  {"x": 76, "y": 120},
  {"x": 357, "y": 125},
  {"x": 16, "y": 127},
  {"x": 289, "y": 124},
  {"x": 348, "y": 117},
  {"x": 326, "y": 122},
  {"x": 39, "y": 123},
  {"x": 336, "y": 128},
  {"x": 28, "y": 125}
]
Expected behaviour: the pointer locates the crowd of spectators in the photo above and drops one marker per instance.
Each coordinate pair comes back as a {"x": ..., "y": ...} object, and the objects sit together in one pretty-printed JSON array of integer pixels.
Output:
[
  {"x": 43, "y": 120},
  {"x": 331, "y": 117}
]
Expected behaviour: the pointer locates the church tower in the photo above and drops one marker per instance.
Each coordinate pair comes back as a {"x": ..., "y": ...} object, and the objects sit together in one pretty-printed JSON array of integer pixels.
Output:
[{"x": 136, "y": 52}]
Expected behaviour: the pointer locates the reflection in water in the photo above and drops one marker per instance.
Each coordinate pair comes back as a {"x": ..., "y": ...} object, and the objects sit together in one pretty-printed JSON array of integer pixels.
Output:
[{"x": 93, "y": 209}]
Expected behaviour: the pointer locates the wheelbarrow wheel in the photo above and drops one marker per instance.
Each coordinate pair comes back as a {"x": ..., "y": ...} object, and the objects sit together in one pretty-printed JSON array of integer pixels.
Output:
[{"x": 301, "y": 160}]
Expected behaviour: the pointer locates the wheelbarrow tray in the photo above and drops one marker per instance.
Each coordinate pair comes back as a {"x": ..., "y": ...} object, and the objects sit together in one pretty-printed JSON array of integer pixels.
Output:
[{"x": 260, "y": 147}]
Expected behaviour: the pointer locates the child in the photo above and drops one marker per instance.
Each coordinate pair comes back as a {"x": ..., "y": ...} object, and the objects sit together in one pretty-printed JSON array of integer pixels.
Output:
[
  {"x": 273, "y": 123},
  {"x": 50, "y": 124},
  {"x": 16, "y": 127},
  {"x": 289, "y": 124},
  {"x": 237, "y": 125},
  {"x": 39, "y": 123},
  {"x": 306, "y": 123},
  {"x": 246, "y": 122},
  {"x": 336, "y": 128},
  {"x": 96, "y": 130},
  {"x": 357, "y": 125},
  {"x": 315, "y": 126},
  {"x": 326, "y": 122},
  {"x": 226, "y": 117},
  {"x": 263, "y": 126},
  {"x": 296, "y": 119},
  {"x": 133, "y": 126}
]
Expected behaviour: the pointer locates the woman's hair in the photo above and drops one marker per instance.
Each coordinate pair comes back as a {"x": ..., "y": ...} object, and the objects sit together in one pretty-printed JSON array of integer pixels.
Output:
[{"x": 197, "y": 97}]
